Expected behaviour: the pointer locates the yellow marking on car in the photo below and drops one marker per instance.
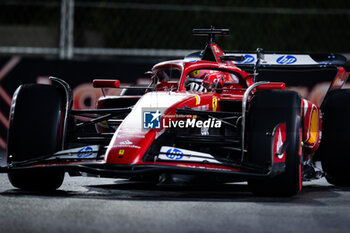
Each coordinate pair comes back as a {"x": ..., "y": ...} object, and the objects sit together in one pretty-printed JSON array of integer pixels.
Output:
[
  {"x": 121, "y": 152},
  {"x": 215, "y": 103},
  {"x": 198, "y": 99},
  {"x": 313, "y": 128}
]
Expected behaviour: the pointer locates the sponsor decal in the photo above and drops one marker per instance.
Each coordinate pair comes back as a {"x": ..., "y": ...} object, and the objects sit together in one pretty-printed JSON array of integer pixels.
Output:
[
  {"x": 78, "y": 153},
  {"x": 151, "y": 119},
  {"x": 127, "y": 142},
  {"x": 277, "y": 59},
  {"x": 127, "y": 146},
  {"x": 279, "y": 144},
  {"x": 247, "y": 59},
  {"x": 202, "y": 167},
  {"x": 178, "y": 154},
  {"x": 85, "y": 152},
  {"x": 286, "y": 59},
  {"x": 174, "y": 153},
  {"x": 202, "y": 107}
]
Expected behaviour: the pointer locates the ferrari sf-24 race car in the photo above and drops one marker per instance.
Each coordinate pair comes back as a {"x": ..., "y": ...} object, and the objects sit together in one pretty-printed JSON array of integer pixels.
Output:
[{"x": 211, "y": 117}]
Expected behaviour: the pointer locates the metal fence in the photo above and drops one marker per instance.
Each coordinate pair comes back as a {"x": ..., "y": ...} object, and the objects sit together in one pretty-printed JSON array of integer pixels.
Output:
[{"x": 72, "y": 28}]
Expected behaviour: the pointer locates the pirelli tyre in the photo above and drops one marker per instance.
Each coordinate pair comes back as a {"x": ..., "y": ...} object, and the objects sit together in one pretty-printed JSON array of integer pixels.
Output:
[
  {"x": 269, "y": 109},
  {"x": 334, "y": 150},
  {"x": 35, "y": 130}
]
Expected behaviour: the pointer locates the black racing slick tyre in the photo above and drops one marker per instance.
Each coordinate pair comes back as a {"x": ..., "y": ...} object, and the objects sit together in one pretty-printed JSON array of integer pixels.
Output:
[
  {"x": 267, "y": 110},
  {"x": 35, "y": 130},
  {"x": 334, "y": 150}
]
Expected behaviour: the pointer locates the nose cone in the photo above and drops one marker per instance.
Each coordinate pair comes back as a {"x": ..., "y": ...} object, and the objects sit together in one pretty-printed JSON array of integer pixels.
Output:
[
  {"x": 140, "y": 128},
  {"x": 129, "y": 148}
]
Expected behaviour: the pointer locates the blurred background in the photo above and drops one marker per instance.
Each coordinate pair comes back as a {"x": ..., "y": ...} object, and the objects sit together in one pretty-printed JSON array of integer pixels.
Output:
[
  {"x": 83, "y": 28},
  {"x": 79, "y": 40}
]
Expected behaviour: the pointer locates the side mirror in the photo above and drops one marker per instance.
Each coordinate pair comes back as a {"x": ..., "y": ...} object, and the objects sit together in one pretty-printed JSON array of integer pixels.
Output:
[
  {"x": 271, "y": 86},
  {"x": 105, "y": 83}
]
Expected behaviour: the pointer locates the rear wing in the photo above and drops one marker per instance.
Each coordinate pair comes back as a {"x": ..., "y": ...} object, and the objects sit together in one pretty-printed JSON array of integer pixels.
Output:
[
  {"x": 290, "y": 68},
  {"x": 274, "y": 66},
  {"x": 287, "y": 60},
  {"x": 212, "y": 52}
]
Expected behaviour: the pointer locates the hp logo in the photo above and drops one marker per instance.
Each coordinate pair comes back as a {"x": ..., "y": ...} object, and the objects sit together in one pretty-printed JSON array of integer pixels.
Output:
[
  {"x": 286, "y": 60},
  {"x": 247, "y": 59},
  {"x": 174, "y": 153},
  {"x": 85, "y": 152}
]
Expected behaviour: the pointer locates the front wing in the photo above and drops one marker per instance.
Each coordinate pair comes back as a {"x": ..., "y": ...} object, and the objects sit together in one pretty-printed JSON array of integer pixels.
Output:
[{"x": 90, "y": 160}]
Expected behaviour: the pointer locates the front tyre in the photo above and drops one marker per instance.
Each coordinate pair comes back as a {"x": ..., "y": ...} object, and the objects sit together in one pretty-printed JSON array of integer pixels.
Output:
[
  {"x": 36, "y": 123},
  {"x": 37, "y": 180},
  {"x": 268, "y": 109}
]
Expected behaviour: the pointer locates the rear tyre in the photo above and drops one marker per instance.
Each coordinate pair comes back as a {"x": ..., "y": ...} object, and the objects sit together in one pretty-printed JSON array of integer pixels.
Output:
[
  {"x": 36, "y": 121},
  {"x": 268, "y": 109},
  {"x": 334, "y": 148}
]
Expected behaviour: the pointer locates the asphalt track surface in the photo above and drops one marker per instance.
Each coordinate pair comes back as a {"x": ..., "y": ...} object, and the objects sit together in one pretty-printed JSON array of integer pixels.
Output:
[{"x": 85, "y": 204}]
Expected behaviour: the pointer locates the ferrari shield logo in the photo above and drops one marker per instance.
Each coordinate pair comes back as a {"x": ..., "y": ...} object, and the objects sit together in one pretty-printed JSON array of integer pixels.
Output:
[{"x": 215, "y": 103}]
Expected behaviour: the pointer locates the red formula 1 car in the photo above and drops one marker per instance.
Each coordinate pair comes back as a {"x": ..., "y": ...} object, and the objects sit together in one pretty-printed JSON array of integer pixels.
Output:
[{"x": 212, "y": 117}]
